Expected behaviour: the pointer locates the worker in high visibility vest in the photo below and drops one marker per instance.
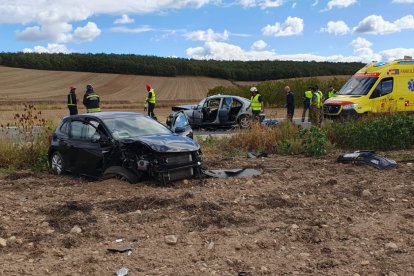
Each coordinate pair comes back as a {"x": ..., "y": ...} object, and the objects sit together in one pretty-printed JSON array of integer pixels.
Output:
[
  {"x": 331, "y": 93},
  {"x": 72, "y": 101},
  {"x": 306, "y": 103},
  {"x": 321, "y": 100},
  {"x": 256, "y": 103},
  {"x": 314, "y": 112},
  {"x": 91, "y": 100},
  {"x": 151, "y": 100}
]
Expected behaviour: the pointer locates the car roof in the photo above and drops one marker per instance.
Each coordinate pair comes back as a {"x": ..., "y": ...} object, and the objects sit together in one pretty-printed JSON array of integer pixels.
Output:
[
  {"x": 106, "y": 115},
  {"x": 225, "y": 96}
]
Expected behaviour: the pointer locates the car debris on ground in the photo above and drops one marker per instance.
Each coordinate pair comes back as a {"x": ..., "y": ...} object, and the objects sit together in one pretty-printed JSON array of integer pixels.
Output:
[{"x": 367, "y": 157}]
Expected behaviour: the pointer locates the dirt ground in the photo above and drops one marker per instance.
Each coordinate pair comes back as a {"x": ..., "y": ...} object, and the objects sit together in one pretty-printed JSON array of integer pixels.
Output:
[{"x": 301, "y": 216}]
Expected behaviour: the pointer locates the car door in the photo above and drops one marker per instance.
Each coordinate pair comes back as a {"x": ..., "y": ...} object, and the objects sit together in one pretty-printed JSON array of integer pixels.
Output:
[
  {"x": 84, "y": 150},
  {"x": 383, "y": 98},
  {"x": 224, "y": 110}
]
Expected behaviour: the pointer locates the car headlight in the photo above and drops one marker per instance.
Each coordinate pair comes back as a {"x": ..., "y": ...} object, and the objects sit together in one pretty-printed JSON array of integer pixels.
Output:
[{"x": 349, "y": 106}]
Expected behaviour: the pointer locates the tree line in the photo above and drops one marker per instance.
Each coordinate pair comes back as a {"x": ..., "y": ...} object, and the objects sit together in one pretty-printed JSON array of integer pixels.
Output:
[{"x": 171, "y": 67}]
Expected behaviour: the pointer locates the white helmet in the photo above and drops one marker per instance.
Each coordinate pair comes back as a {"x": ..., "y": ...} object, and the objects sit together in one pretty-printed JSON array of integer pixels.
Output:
[{"x": 253, "y": 89}]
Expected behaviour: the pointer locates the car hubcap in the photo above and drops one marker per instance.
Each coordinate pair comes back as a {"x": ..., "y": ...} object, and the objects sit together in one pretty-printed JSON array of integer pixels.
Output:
[
  {"x": 244, "y": 122},
  {"x": 57, "y": 164}
]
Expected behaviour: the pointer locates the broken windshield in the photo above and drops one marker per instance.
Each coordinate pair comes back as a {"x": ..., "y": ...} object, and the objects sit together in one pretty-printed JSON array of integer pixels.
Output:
[
  {"x": 134, "y": 126},
  {"x": 357, "y": 86}
]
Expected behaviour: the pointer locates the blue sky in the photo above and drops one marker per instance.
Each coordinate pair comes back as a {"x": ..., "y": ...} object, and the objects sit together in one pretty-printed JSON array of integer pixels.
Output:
[{"x": 330, "y": 30}]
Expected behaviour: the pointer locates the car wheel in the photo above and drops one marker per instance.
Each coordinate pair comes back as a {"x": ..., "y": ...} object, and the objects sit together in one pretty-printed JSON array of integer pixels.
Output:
[
  {"x": 244, "y": 121},
  {"x": 121, "y": 173},
  {"x": 57, "y": 164}
]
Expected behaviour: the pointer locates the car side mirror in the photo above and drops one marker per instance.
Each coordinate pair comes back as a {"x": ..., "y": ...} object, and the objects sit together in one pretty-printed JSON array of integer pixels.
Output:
[{"x": 179, "y": 130}]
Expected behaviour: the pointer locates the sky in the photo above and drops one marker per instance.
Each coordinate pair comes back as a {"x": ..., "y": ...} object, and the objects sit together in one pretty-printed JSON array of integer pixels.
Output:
[{"x": 299, "y": 30}]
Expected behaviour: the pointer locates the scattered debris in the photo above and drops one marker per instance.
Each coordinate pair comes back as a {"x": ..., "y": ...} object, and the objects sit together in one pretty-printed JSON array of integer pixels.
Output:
[
  {"x": 171, "y": 239},
  {"x": 367, "y": 157},
  {"x": 119, "y": 240},
  {"x": 120, "y": 250},
  {"x": 123, "y": 271},
  {"x": 257, "y": 155},
  {"x": 231, "y": 173},
  {"x": 270, "y": 122}
]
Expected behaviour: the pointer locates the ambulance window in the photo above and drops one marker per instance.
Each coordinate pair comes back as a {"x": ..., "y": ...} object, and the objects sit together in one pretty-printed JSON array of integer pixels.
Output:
[{"x": 383, "y": 88}]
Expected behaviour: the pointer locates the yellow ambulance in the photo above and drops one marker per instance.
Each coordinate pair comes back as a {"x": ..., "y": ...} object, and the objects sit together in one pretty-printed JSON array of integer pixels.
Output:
[{"x": 379, "y": 87}]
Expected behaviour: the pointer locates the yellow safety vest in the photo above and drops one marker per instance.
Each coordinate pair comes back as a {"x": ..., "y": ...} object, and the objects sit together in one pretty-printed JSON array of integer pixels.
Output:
[
  {"x": 320, "y": 98},
  {"x": 318, "y": 102},
  {"x": 308, "y": 94},
  {"x": 256, "y": 105},
  {"x": 331, "y": 93},
  {"x": 152, "y": 99}
]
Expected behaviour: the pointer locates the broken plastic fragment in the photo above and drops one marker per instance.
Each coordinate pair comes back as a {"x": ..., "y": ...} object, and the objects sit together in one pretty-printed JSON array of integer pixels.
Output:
[
  {"x": 123, "y": 271},
  {"x": 120, "y": 250},
  {"x": 231, "y": 173}
]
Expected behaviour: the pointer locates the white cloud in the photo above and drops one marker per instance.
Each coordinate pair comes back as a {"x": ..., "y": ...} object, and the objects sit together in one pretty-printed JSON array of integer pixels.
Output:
[
  {"x": 87, "y": 33},
  {"x": 336, "y": 28},
  {"x": 294, "y": 5},
  {"x": 258, "y": 45},
  {"x": 292, "y": 26},
  {"x": 141, "y": 29},
  {"x": 375, "y": 24},
  {"x": 264, "y": 4},
  {"x": 340, "y": 4},
  {"x": 362, "y": 53},
  {"x": 60, "y": 32},
  {"x": 225, "y": 51},
  {"x": 51, "y": 48},
  {"x": 315, "y": 3},
  {"x": 208, "y": 35},
  {"x": 51, "y": 21},
  {"x": 124, "y": 20},
  {"x": 403, "y": 1}
]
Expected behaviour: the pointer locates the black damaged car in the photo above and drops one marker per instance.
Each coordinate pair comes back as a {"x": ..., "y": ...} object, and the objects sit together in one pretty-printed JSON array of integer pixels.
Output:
[{"x": 125, "y": 145}]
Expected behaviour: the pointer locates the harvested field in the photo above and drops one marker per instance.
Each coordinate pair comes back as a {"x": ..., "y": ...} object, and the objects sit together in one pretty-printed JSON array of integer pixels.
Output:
[{"x": 302, "y": 216}]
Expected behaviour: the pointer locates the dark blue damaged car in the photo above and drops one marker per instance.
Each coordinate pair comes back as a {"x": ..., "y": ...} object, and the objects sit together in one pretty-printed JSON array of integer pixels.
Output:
[{"x": 125, "y": 145}]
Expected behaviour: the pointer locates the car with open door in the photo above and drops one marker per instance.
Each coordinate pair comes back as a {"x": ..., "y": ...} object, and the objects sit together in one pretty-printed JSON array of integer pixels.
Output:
[
  {"x": 218, "y": 111},
  {"x": 126, "y": 145},
  {"x": 178, "y": 122}
]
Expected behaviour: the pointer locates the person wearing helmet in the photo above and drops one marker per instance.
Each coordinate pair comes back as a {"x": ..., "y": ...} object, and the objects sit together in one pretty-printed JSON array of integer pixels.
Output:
[
  {"x": 91, "y": 100},
  {"x": 72, "y": 101},
  {"x": 151, "y": 100},
  {"x": 256, "y": 103}
]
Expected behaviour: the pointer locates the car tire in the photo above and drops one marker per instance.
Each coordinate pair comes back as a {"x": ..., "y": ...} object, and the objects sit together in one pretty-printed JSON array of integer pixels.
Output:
[
  {"x": 57, "y": 165},
  {"x": 245, "y": 121},
  {"x": 121, "y": 173}
]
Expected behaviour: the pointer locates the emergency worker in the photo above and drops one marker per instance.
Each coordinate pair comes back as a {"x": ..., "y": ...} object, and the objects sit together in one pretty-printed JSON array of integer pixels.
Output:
[
  {"x": 290, "y": 103},
  {"x": 314, "y": 112},
  {"x": 256, "y": 103},
  {"x": 321, "y": 100},
  {"x": 306, "y": 103},
  {"x": 331, "y": 93},
  {"x": 151, "y": 100},
  {"x": 72, "y": 101},
  {"x": 91, "y": 100}
]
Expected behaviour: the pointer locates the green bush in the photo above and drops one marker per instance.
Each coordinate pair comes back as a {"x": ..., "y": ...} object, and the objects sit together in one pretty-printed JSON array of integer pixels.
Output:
[
  {"x": 314, "y": 141},
  {"x": 390, "y": 132}
]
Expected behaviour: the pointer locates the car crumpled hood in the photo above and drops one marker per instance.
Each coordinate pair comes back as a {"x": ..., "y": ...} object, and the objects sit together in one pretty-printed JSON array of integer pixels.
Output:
[
  {"x": 183, "y": 107},
  {"x": 166, "y": 143}
]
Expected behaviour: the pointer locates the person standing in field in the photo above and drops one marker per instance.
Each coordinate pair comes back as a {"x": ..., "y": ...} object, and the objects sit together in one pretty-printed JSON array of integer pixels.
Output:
[
  {"x": 256, "y": 103},
  {"x": 331, "y": 93},
  {"x": 314, "y": 112},
  {"x": 290, "y": 103},
  {"x": 72, "y": 101},
  {"x": 306, "y": 103},
  {"x": 91, "y": 100},
  {"x": 151, "y": 100}
]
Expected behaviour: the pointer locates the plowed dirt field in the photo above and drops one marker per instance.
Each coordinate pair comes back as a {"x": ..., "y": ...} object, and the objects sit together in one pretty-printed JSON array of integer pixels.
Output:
[{"x": 301, "y": 216}]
